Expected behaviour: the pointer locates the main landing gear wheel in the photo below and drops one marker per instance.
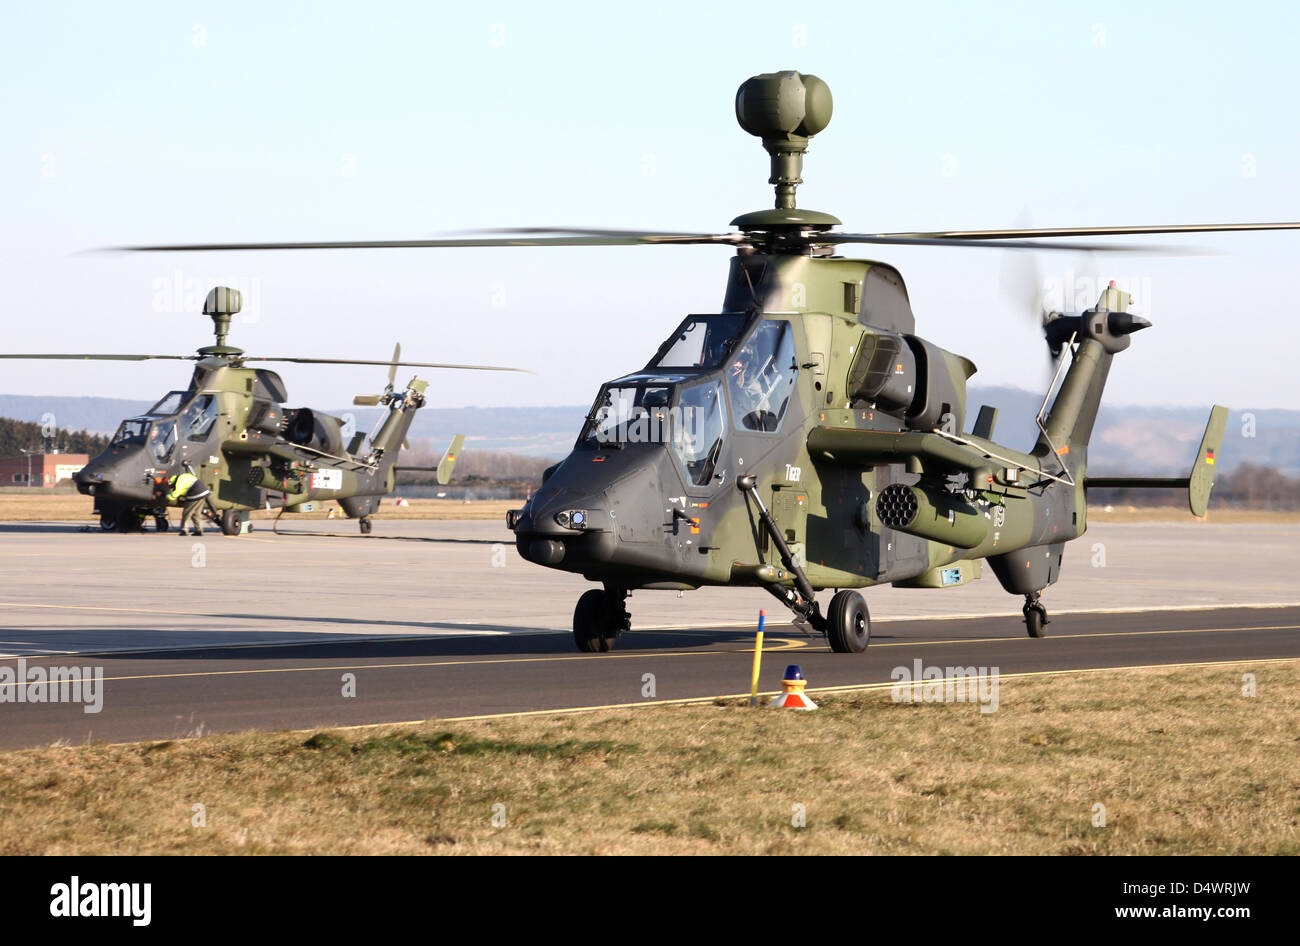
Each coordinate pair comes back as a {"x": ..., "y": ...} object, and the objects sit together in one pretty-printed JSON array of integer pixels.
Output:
[
  {"x": 598, "y": 620},
  {"x": 1035, "y": 616},
  {"x": 127, "y": 520},
  {"x": 161, "y": 524},
  {"x": 848, "y": 623},
  {"x": 366, "y": 525},
  {"x": 230, "y": 522},
  {"x": 108, "y": 522}
]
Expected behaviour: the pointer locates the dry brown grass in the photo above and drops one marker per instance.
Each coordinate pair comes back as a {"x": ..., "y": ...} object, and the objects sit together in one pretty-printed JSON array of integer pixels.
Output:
[
  {"x": 77, "y": 508},
  {"x": 1183, "y": 762}
]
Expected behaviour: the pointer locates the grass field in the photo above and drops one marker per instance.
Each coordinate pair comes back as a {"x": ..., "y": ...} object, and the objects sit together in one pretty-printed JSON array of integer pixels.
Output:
[
  {"x": 1183, "y": 762},
  {"x": 26, "y": 507}
]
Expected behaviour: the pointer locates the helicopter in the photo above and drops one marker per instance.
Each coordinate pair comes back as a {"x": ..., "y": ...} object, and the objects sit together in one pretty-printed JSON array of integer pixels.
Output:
[
  {"x": 230, "y": 429},
  {"x": 804, "y": 437}
]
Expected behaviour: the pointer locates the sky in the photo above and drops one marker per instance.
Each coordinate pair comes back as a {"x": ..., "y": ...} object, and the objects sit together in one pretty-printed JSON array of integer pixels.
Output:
[{"x": 155, "y": 123}]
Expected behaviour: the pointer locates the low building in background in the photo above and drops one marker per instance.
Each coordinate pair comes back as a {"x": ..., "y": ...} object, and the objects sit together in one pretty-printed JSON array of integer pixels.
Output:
[{"x": 40, "y": 469}]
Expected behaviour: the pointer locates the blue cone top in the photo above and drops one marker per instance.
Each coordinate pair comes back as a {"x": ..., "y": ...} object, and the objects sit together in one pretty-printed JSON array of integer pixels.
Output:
[{"x": 793, "y": 672}]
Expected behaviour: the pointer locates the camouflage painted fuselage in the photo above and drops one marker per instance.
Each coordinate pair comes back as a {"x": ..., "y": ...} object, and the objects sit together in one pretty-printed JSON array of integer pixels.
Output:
[{"x": 647, "y": 521}]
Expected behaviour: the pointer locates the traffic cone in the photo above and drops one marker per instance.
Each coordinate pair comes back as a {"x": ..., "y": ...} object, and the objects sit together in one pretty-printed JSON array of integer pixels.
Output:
[
  {"x": 331, "y": 515},
  {"x": 792, "y": 695}
]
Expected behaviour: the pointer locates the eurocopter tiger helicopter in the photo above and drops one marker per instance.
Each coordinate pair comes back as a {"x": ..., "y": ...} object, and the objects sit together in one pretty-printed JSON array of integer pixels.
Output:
[
  {"x": 804, "y": 437},
  {"x": 230, "y": 429}
]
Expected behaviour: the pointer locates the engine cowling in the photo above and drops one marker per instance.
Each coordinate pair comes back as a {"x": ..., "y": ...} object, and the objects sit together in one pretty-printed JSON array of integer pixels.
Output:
[
  {"x": 912, "y": 379},
  {"x": 314, "y": 429}
]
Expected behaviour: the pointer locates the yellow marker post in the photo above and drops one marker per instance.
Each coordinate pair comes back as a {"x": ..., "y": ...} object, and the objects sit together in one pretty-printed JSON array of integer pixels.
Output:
[{"x": 758, "y": 659}]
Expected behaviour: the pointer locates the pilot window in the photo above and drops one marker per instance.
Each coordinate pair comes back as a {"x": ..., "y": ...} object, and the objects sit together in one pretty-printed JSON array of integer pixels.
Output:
[
  {"x": 698, "y": 430},
  {"x": 162, "y": 441},
  {"x": 633, "y": 414},
  {"x": 168, "y": 405},
  {"x": 199, "y": 417},
  {"x": 131, "y": 432},
  {"x": 761, "y": 376},
  {"x": 701, "y": 342}
]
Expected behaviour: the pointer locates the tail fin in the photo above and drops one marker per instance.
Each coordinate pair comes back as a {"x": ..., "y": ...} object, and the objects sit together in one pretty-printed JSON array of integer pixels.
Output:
[
  {"x": 448, "y": 461},
  {"x": 445, "y": 465},
  {"x": 1198, "y": 482}
]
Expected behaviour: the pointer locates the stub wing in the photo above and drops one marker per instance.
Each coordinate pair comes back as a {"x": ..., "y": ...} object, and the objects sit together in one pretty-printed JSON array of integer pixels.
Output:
[
  {"x": 293, "y": 453},
  {"x": 870, "y": 447}
]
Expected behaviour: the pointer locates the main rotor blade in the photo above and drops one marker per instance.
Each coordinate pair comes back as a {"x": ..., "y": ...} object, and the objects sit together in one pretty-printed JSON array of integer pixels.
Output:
[
  {"x": 630, "y": 236},
  {"x": 109, "y": 357},
  {"x": 907, "y": 239},
  {"x": 396, "y": 364},
  {"x": 392, "y": 369},
  {"x": 538, "y": 237},
  {"x": 1045, "y": 232}
]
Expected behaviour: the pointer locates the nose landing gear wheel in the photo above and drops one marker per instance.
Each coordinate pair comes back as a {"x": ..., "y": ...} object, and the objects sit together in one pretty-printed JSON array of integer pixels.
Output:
[
  {"x": 598, "y": 620},
  {"x": 1035, "y": 616},
  {"x": 366, "y": 525},
  {"x": 848, "y": 623},
  {"x": 160, "y": 523}
]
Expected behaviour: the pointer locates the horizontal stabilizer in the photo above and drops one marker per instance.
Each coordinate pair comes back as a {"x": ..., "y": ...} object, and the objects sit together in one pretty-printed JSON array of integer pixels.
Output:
[
  {"x": 1198, "y": 483},
  {"x": 445, "y": 465}
]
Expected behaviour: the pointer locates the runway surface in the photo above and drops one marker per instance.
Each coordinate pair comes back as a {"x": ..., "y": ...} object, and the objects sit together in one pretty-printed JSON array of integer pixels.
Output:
[
  {"x": 63, "y": 590},
  {"x": 171, "y": 694},
  {"x": 437, "y": 618}
]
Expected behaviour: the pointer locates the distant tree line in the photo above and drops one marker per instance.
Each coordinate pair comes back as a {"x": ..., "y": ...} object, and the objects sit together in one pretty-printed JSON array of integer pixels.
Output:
[{"x": 17, "y": 435}]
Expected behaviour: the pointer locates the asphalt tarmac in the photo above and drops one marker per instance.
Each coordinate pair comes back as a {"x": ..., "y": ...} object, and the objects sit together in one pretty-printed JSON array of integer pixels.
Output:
[
  {"x": 168, "y": 695},
  {"x": 438, "y": 619}
]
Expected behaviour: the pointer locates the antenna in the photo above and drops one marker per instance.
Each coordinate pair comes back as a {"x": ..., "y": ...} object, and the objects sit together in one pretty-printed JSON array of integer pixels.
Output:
[
  {"x": 222, "y": 302},
  {"x": 785, "y": 109}
]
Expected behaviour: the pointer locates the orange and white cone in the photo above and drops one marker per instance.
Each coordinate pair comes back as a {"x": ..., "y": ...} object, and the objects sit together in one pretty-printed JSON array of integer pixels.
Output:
[
  {"x": 792, "y": 695},
  {"x": 331, "y": 515}
]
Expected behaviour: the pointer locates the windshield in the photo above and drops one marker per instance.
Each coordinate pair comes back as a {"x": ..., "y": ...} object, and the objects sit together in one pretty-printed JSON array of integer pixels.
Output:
[
  {"x": 629, "y": 414},
  {"x": 761, "y": 377},
  {"x": 698, "y": 430},
  {"x": 198, "y": 417},
  {"x": 162, "y": 441},
  {"x": 702, "y": 341},
  {"x": 170, "y": 404},
  {"x": 131, "y": 432}
]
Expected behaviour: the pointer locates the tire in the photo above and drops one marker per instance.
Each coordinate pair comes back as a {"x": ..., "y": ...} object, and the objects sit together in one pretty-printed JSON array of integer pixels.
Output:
[
  {"x": 366, "y": 525},
  {"x": 161, "y": 524},
  {"x": 595, "y": 628},
  {"x": 128, "y": 520},
  {"x": 108, "y": 523},
  {"x": 848, "y": 623},
  {"x": 1036, "y": 620},
  {"x": 230, "y": 522}
]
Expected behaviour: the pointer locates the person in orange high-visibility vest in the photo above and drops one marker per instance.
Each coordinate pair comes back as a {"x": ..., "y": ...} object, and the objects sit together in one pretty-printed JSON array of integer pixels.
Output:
[{"x": 189, "y": 489}]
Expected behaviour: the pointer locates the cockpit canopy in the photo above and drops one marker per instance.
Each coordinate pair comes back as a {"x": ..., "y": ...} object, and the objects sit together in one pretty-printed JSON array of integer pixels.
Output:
[
  {"x": 702, "y": 341},
  {"x": 166, "y": 424},
  {"x": 721, "y": 371}
]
